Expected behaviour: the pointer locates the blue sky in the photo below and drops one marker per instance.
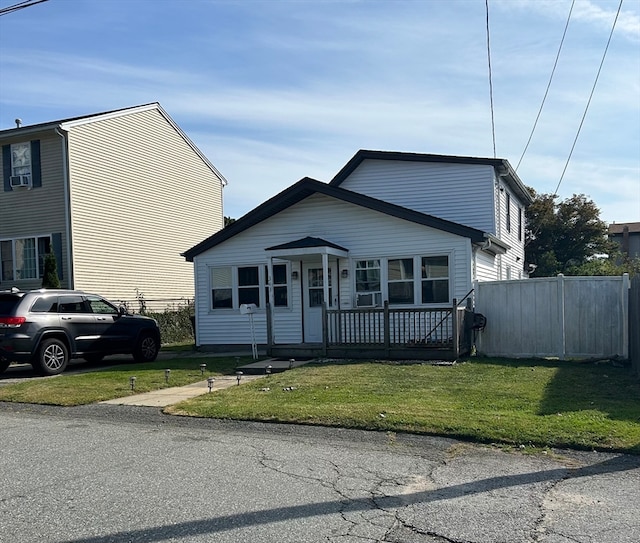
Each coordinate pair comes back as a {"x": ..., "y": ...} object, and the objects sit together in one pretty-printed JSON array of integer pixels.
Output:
[{"x": 273, "y": 91}]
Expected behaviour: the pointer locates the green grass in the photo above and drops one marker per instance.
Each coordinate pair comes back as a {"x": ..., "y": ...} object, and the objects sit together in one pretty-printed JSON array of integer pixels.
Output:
[
  {"x": 110, "y": 383},
  {"x": 532, "y": 403}
]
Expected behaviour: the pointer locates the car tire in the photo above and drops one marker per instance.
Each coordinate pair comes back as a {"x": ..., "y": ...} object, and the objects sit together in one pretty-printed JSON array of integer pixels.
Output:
[
  {"x": 52, "y": 357},
  {"x": 147, "y": 348},
  {"x": 4, "y": 364}
]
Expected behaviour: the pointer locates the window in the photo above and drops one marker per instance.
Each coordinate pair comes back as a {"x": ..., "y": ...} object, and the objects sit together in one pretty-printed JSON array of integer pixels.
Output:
[
  {"x": 519, "y": 224},
  {"x": 508, "y": 212},
  {"x": 72, "y": 304},
  {"x": 368, "y": 290},
  {"x": 316, "y": 287},
  {"x": 280, "y": 285},
  {"x": 23, "y": 258},
  {"x": 221, "y": 288},
  {"x": 21, "y": 159},
  {"x": 400, "y": 281},
  {"x": 102, "y": 307},
  {"x": 248, "y": 285},
  {"x": 435, "y": 279}
]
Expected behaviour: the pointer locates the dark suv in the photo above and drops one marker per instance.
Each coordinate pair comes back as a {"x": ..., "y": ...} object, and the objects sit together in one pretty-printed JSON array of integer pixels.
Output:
[{"x": 46, "y": 328}]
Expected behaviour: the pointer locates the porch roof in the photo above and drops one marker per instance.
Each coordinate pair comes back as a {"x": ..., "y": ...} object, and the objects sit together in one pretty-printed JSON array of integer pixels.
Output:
[{"x": 307, "y": 246}]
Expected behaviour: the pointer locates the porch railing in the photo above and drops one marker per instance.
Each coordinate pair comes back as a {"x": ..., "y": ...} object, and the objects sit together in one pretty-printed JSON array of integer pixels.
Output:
[{"x": 397, "y": 328}]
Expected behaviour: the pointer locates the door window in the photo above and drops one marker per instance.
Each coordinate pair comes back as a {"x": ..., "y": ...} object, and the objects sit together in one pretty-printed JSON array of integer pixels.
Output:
[{"x": 316, "y": 287}]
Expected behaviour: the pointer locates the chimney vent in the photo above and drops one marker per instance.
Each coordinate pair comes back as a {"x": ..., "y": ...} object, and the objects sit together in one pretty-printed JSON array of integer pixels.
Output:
[{"x": 18, "y": 123}]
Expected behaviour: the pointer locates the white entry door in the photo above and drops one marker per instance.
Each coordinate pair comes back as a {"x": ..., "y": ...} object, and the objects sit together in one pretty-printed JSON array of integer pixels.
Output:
[{"x": 313, "y": 283}]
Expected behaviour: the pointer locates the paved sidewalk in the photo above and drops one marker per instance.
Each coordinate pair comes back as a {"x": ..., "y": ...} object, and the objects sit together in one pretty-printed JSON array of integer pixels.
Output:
[{"x": 173, "y": 395}]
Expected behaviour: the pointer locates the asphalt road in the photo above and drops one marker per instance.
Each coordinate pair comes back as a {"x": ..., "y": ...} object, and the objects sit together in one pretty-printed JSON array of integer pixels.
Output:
[{"x": 102, "y": 474}]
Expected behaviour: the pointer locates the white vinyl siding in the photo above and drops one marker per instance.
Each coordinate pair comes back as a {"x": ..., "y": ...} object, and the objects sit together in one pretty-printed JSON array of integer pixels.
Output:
[
  {"x": 366, "y": 234},
  {"x": 461, "y": 193},
  {"x": 509, "y": 232},
  {"x": 140, "y": 196}
]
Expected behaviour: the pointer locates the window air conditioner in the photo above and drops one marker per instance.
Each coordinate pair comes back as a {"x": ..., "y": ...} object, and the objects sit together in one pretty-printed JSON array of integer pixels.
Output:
[
  {"x": 366, "y": 299},
  {"x": 20, "y": 181}
]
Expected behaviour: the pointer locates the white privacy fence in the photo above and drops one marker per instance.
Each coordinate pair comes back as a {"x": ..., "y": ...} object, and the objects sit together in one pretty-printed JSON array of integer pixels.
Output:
[{"x": 565, "y": 317}]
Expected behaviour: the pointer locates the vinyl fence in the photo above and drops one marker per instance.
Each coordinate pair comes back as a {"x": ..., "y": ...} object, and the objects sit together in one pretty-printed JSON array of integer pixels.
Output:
[
  {"x": 564, "y": 317},
  {"x": 634, "y": 324}
]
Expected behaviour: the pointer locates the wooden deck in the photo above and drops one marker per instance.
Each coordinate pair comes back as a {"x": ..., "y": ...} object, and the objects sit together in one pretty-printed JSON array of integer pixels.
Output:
[{"x": 385, "y": 333}]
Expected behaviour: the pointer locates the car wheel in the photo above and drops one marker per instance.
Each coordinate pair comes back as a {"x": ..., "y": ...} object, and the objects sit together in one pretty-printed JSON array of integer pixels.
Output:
[
  {"x": 52, "y": 357},
  {"x": 147, "y": 349},
  {"x": 4, "y": 364}
]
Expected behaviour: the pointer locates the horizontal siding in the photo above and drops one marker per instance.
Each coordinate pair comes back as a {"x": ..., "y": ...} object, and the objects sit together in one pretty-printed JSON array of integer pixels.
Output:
[
  {"x": 365, "y": 233},
  {"x": 39, "y": 211},
  {"x": 140, "y": 196},
  {"x": 514, "y": 258},
  {"x": 486, "y": 269},
  {"x": 462, "y": 193}
]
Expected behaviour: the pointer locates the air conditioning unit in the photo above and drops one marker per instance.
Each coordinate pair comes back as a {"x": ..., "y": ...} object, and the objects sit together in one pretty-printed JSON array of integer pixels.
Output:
[
  {"x": 20, "y": 181},
  {"x": 366, "y": 299}
]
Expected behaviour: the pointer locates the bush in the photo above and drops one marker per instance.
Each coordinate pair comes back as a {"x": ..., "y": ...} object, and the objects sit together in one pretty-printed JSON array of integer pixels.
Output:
[{"x": 175, "y": 323}]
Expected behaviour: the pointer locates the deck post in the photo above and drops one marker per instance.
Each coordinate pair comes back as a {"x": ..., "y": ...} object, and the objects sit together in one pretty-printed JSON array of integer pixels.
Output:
[
  {"x": 269, "y": 330},
  {"x": 456, "y": 330},
  {"x": 325, "y": 329},
  {"x": 387, "y": 328}
]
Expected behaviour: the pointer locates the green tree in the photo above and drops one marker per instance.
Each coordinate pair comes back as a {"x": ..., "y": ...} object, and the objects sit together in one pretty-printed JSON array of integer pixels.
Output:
[
  {"x": 228, "y": 221},
  {"x": 50, "y": 278},
  {"x": 560, "y": 237}
]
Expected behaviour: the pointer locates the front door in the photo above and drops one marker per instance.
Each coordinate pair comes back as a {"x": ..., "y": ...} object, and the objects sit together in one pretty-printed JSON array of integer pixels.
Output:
[{"x": 313, "y": 281}]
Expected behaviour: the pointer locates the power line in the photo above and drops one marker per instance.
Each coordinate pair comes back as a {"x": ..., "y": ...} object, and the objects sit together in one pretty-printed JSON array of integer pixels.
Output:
[
  {"x": 493, "y": 125},
  {"x": 546, "y": 92},
  {"x": 20, "y": 5},
  {"x": 590, "y": 97}
]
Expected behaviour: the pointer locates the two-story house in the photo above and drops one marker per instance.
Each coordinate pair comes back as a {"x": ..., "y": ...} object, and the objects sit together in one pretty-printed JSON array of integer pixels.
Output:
[
  {"x": 377, "y": 257},
  {"x": 116, "y": 196}
]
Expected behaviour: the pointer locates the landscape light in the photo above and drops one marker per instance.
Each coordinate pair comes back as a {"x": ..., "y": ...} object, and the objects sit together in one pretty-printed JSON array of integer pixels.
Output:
[
  {"x": 132, "y": 382},
  {"x": 210, "y": 381},
  {"x": 202, "y": 368},
  {"x": 267, "y": 370},
  {"x": 291, "y": 362},
  {"x": 238, "y": 376},
  {"x": 167, "y": 373}
]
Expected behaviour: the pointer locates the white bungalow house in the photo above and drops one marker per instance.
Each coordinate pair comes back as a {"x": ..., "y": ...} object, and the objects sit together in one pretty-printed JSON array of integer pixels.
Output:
[{"x": 380, "y": 260}]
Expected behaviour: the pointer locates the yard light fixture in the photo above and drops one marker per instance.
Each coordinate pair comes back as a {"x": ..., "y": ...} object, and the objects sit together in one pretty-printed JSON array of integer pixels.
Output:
[
  {"x": 292, "y": 361},
  {"x": 167, "y": 373},
  {"x": 268, "y": 369},
  {"x": 210, "y": 381},
  {"x": 132, "y": 382},
  {"x": 202, "y": 368},
  {"x": 238, "y": 376}
]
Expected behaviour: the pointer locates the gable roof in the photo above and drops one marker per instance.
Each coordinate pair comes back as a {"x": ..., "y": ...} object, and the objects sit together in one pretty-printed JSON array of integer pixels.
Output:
[
  {"x": 70, "y": 122},
  {"x": 502, "y": 167},
  {"x": 618, "y": 228},
  {"x": 307, "y": 187}
]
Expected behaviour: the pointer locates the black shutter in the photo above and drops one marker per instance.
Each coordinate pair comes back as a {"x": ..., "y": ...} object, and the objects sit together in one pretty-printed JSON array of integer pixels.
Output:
[
  {"x": 6, "y": 167},
  {"x": 56, "y": 242},
  {"x": 36, "y": 174}
]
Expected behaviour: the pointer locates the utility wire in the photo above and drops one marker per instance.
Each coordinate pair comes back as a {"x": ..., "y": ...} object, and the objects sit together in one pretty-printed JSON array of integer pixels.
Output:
[
  {"x": 20, "y": 5},
  {"x": 546, "y": 92},
  {"x": 493, "y": 125},
  {"x": 590, "y": 97}
]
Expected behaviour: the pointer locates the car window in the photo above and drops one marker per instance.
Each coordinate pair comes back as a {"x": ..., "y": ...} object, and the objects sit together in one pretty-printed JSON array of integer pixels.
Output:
[
  {"x": 45, "y": 305},
  {"x": 98, "y": 305},
  {"x": 8, "y": 303},
  {"x": 72, "y": 304}
]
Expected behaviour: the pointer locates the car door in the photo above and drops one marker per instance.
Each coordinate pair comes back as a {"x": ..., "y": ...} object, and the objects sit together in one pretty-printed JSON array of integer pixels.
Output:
[
  {"x": 112, "y": 329},
  {"x": 79, "y": 322}
]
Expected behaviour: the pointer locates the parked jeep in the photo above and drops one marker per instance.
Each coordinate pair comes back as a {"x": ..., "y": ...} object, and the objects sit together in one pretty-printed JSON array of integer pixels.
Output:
[{"x": 46, "y": 328}]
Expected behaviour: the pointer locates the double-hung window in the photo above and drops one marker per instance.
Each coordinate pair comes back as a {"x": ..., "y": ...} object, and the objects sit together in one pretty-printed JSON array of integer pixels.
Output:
[
  {"x": 435, "y": 279},
  {"x": 21, "y": 159},
  {"x": 280, "y": 285},
  {"x": 221, "y": 288},
  {"x": 400, "y": 281},
  {"x": 249, "y": 285},
  {"x": 23, "y": 258},
  {"x": 233, "y": 286},
  {"x": 368, "y": 283}
]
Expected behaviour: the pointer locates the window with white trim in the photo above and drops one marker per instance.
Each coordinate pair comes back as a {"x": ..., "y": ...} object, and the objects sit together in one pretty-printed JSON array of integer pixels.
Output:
[
  {"x": 221, "y": 288},
  {"x": 368, "y": 283},
  {"x": 21, "y": 158},
  {"x": 23, "y": 258},
  {"x": 435, "y": 279},
  {"x": 249, "y": 285},
  {"x": 280, "y": 285},
  {"x": 233, "y": 286},
  {"x": 400, "y": 281}
]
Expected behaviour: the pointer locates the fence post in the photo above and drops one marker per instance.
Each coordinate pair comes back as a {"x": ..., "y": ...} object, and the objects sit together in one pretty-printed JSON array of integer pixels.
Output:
[
  {"x": 325, "y": 329},
  {"x": 456, "y": 332},
  {"x": 387, "y": 330},
  {"x": 624, "y": 302},
  {"x": 269, "y": 329},
  {"x": 562, "y": 346}
]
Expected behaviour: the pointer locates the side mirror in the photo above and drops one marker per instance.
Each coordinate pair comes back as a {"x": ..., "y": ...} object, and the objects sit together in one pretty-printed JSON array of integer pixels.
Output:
[{"x": 122, "y": 310}]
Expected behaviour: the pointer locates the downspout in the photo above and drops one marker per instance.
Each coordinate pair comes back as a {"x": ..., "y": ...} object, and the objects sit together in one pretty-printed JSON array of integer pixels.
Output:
[{"x": 67, "y": 205}]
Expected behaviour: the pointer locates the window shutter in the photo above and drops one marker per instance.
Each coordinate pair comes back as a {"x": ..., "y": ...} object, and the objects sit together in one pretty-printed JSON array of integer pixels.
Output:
[
  {"x": 36, "y": 174},
  {"x": 6, "y": 167},
  {"x": 56, "y": 243}
]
